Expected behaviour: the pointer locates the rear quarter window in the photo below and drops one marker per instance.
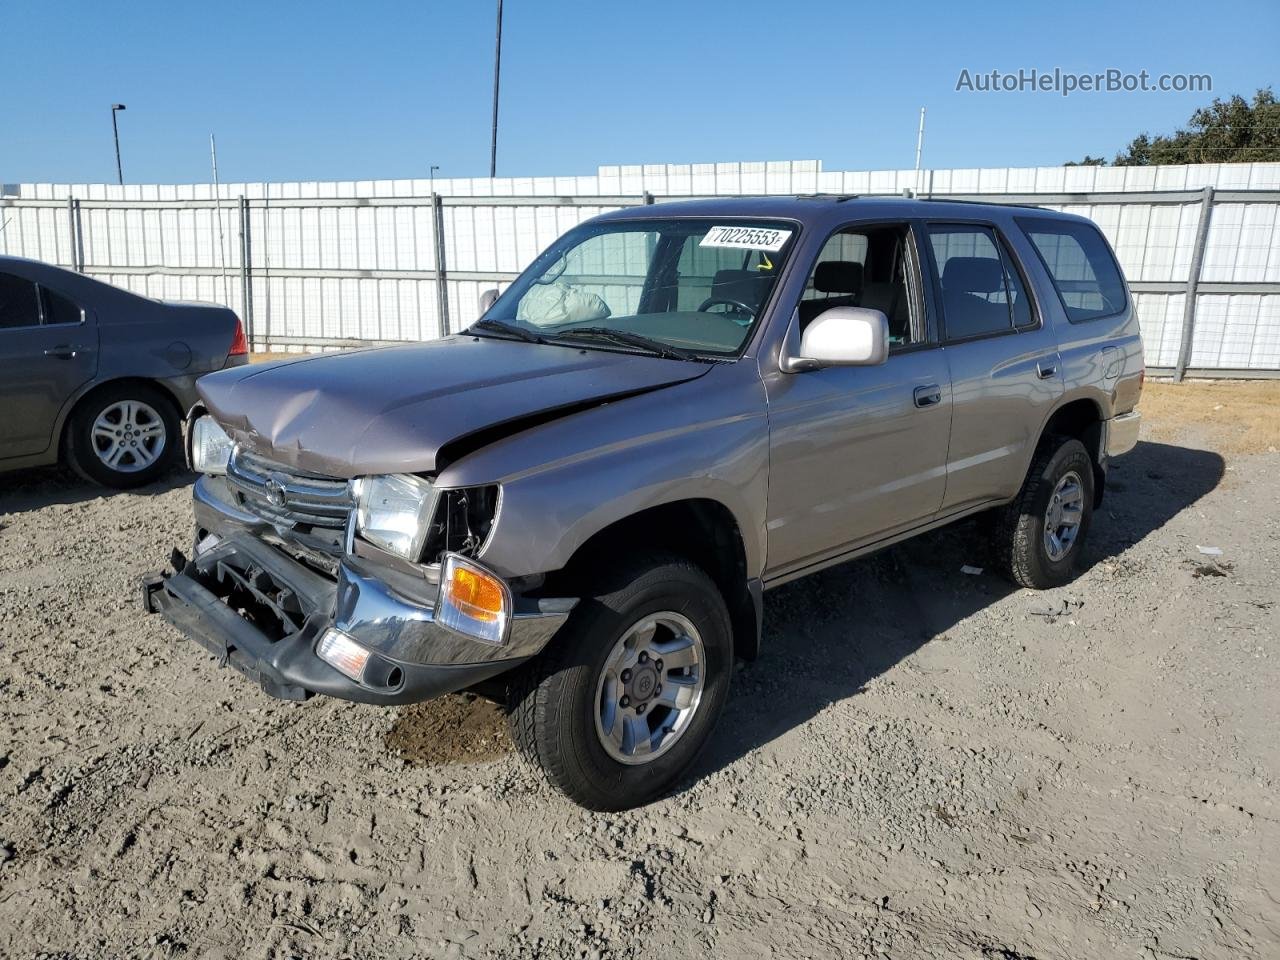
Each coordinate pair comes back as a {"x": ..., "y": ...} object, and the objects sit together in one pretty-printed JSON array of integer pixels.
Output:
[{"x": 1081, "y": 266}]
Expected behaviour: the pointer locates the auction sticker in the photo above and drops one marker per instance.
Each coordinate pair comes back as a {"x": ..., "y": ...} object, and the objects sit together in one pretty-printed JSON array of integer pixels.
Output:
[{"x": 746, "y": 238}]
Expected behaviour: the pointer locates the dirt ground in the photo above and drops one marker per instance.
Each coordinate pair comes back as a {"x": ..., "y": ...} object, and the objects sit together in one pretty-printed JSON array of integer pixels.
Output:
[{"x": 923, "y": 763}]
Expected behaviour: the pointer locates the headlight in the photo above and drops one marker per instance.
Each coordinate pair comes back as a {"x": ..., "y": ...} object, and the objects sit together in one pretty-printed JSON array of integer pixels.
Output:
[
  {"x": 394, "y": 512},
  {"x": 210, "y": 447}
]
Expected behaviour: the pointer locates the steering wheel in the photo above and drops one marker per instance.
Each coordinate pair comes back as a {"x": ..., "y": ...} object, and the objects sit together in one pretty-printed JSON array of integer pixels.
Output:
[{"x": 736, "y": 304}]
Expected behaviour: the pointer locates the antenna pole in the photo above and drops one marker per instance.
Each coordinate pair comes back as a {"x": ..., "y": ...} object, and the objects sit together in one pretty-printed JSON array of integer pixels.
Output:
[
  {"x": 217, "y": 194},
  {"x": 919, "y": 148}
]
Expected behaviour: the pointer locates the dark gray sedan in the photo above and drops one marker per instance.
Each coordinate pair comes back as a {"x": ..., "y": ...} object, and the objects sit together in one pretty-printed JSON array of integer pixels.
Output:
[{"x": 98, "y": 376}]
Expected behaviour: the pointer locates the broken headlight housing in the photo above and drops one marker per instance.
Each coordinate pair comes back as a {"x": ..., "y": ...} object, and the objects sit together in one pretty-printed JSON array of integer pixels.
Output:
[
  {"x": 408, "y": 517},
  {"x": 393, "y": 512}
]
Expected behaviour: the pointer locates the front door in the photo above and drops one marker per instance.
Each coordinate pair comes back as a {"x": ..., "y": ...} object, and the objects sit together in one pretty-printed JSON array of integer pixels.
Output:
[
  {"x": 47, "y": 352},
  {"x": 858, "y": 454}
]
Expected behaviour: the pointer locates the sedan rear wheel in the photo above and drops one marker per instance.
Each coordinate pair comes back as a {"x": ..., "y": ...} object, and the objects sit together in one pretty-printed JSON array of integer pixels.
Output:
[{"x": 124, "y": 436}]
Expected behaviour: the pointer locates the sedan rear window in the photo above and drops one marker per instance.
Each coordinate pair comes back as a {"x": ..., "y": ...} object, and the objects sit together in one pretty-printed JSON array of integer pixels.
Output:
[
  {"x": 58, "y": 309},
  {"x": 1081, "y": 266}
]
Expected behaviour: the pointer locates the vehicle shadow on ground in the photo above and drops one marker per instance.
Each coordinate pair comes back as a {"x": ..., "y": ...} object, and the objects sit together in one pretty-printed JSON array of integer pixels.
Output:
[
  {"x": 828, "y": 635},
  {"x": 25, "y": 490}
]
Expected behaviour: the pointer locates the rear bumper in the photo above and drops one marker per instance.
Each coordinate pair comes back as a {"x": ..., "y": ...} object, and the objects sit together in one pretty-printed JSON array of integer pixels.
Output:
[
  {"x": 1122, "y": 433},
  {"x": 287, "y": 606}
]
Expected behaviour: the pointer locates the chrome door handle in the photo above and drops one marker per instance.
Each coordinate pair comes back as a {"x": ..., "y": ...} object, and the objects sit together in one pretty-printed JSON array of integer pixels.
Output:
[
  {"x": 1046, "y": 371},
  {"x": 928, "y": 396},
  {"x": 61, "y": 352}
]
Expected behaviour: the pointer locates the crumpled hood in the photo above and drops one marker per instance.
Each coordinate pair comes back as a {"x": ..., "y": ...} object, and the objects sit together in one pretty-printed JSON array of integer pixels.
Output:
[{"x": 392, "y": 409}]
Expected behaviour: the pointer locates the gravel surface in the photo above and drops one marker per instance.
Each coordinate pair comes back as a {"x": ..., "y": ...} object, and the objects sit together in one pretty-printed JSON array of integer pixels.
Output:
[{"x": 924, "y": 763}]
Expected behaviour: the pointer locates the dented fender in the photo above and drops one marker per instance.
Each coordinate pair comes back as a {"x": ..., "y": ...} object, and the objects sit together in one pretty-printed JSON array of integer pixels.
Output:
[{"x": 564, "y": 481}]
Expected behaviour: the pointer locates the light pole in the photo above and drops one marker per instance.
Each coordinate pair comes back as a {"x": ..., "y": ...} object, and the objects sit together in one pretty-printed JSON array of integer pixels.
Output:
[
  {"x": 115, "y": 129},
  {"x": 432, "y": 174},
  {"x": 497, "y": 72}
]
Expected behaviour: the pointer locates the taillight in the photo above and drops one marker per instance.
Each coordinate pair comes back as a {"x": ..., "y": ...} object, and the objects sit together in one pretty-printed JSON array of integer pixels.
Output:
[{"x": 239, "y": 345}]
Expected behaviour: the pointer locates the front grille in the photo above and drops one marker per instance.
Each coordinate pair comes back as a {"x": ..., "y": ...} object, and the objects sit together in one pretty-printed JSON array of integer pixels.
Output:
[{"x": 286, "y": 497}]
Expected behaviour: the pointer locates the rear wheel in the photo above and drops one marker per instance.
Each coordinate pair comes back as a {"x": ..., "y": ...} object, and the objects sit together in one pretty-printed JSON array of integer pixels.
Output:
[
  {"x": 623, "y": 701},
  {"x": 124, "y": 435},
  {"x": 1040, "y": 536}
]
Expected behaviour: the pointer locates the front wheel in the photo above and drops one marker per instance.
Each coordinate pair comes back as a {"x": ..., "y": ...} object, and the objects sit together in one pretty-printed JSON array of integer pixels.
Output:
[
  {"x": 623, "y": 701},
  {"x": 1040, "y": 536}
]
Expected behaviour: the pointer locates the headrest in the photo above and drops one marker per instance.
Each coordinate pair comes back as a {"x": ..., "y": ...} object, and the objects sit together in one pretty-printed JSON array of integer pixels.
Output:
[
  {"x": 838, "y": 276},
  {"x": 973, "y": 275}
]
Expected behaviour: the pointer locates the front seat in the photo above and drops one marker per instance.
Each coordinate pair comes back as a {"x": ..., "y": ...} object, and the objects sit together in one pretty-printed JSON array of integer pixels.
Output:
[
  {"x": 891, "y": 300},
  {"x": 840, "y": 281}
]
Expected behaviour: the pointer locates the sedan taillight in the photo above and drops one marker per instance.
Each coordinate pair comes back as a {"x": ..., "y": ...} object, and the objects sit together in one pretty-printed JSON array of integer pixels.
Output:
[{"x": 239, "y": 344}]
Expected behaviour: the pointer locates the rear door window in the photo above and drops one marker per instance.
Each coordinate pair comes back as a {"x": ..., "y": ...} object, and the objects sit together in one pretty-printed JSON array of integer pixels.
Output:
[
  {"x": 19, "y": 302},
  {"x": 982, "y": 290},
  {"x": 1081, "y": 265}
]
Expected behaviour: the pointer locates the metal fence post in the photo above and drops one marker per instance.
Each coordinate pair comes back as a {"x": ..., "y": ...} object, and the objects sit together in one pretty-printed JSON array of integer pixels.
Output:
[
  {"x": 79, "y": 237},
  {"x": 75, "y": 234},
  {"x": 246, "y": 280},
  {"x": 442, "y": 292},
  {"x": 71, "y": 227},
  {"x": 1193, "y": 283}
]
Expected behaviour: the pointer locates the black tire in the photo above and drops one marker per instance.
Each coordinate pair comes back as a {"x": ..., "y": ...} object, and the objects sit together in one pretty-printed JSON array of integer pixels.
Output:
[
  {"x": 1020, "y": 541},
  {"x": 155, "y": 407},
  {"x": 553, "y": 703}
]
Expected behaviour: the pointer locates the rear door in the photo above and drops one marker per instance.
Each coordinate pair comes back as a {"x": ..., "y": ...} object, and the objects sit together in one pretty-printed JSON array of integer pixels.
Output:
[
  {"x": 48, "y": 350},
  {"x": 1002, "y": 356},
  {"x": 859, "y": 453}
]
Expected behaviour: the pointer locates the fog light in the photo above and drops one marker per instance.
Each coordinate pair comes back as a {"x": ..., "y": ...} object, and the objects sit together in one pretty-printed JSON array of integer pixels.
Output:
[
  {"x": 473, "y": 601},
  {"x": 342, "y": 653}
]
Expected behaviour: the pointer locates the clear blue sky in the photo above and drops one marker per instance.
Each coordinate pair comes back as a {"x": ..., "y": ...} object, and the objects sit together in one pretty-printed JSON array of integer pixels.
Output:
[{"x": 328, "y": 90}]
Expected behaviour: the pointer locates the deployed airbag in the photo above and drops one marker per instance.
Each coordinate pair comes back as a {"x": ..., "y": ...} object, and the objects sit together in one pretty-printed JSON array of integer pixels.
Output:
[{"x": 555, "y": 304}]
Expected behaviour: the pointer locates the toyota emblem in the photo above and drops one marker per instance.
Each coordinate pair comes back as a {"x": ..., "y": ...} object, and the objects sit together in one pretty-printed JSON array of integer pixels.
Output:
[{"x": 275, "y": 492}]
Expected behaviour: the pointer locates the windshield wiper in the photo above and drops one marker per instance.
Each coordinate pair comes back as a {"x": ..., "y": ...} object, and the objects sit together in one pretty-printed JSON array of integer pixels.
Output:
[
  {"x": 628, "y": 339},
  {"x": 512, "y": 329}
]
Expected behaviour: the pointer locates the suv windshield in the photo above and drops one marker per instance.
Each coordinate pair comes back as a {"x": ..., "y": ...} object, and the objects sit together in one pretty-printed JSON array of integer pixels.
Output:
[{"x": 674, "y": 287}]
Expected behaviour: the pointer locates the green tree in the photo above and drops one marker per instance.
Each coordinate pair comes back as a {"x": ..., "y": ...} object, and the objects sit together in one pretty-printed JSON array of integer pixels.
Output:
[{"x": 1227, "y": 131}]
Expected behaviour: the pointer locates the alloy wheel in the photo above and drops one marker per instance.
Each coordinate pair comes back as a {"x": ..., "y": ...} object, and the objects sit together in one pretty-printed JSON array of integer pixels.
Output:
[
  {"x": 128, "y": 436},
  {"x": 1063, "y": 516},
  {"x": 650, "y": 687}
]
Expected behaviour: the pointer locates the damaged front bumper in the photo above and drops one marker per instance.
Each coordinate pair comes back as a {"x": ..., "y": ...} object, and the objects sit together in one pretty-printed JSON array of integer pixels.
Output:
[{"x": 260, "y": 610}]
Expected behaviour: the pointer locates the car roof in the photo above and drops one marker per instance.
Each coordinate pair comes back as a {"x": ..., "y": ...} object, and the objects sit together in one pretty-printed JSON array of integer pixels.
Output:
[
  {"x": 821, "y": 209},
  {"x": 8, "y": 260}
]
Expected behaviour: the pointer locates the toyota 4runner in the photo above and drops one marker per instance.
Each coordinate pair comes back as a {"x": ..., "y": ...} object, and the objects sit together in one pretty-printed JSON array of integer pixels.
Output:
[{"x": 579, "y": 502}]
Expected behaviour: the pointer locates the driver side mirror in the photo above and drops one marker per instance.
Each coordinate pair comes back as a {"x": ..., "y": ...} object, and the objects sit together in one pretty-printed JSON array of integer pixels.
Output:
[
  {"x": 487, "y": 300},
  {"x": 839, "y": 337}
]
